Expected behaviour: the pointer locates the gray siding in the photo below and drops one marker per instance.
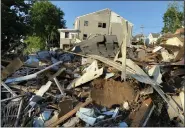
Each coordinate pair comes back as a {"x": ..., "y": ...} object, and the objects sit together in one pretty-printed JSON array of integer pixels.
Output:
[
  {"x": 93, "y": 20},
  {"x": 114, "y": 25},
  {"x": 117, "y": 29}
]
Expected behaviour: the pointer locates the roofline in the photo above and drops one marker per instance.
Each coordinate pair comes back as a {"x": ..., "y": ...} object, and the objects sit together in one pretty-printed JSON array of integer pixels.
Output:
[
  {"x": 103, "y": 10},
  {"x": 68, "y": 30},
  {"x": 92, "y": 13},
  {"x": 124, "y": 19}
]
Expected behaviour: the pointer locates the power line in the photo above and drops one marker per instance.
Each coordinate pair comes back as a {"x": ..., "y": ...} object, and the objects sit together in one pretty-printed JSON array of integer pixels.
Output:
[{"x": 148, "y": 27}]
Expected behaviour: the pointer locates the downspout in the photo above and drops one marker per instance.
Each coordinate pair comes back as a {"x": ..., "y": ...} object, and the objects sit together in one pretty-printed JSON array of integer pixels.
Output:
[
  {"x": 109, "y": 29},
  {"x": 79, "y": 28}
]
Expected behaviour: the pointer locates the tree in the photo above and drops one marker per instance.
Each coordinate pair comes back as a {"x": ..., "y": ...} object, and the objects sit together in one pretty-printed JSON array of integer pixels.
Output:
[
  {"x": 46, "y": 18},
  {"x": 34, "y": 44},
  {"x": 173, "y": 18},
  {"x": 14, "y": 23}
]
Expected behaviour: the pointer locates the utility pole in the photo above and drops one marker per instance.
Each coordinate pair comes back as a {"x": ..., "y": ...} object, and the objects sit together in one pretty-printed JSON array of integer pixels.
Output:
[{"x": 142, "y": 29}]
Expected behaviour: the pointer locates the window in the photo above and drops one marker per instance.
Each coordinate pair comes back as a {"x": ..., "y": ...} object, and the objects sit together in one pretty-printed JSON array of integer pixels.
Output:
[
  {"x": 101, "y": 25},
  {"x": 66, "y": 34},
  {"x": 84, "y": 36},
  {"x": 86, "y": 23},
  {"x": 104, "y": 25}
]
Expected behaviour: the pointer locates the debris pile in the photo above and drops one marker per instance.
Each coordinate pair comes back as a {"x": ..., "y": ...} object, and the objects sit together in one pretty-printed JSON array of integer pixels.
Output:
[{"x": 70, "y": 88}]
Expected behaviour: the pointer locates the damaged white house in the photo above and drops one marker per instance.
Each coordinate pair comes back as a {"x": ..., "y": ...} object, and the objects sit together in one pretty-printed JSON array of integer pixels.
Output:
[{"x": 103, "y": 22}]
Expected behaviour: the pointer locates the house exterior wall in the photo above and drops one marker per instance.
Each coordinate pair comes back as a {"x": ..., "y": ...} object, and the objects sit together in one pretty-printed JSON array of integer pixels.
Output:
[
  {"x": 64, "y": 41},
  {"x": 115, "y": 25},
  {"x": 62, "y": 34},
  {"x": 129, "y": 34},
  {"x": 118, "y": 27},
  {"x": 67, "y": 41},
  {"x": 126, "y": 32},
  {"x": 93, "y": 20},
  {"x": 153, "y": 40}
]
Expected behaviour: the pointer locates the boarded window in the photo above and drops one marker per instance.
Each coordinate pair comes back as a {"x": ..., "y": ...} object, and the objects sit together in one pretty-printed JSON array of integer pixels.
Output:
[
  {"x": 86, "y": 23},
  {"x": 84, "y": 36},
  {"x": 104, "y": 25},
  {"x": 66, "y": 34}
]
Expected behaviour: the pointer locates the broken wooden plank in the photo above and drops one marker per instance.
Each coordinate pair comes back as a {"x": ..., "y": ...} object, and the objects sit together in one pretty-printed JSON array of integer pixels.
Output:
[
  {"x": 69, "y": 114},
  {"x": 11, "y": 68},
  {"x": 124, "y": 51},
  {"x": 142, "y": 113}
]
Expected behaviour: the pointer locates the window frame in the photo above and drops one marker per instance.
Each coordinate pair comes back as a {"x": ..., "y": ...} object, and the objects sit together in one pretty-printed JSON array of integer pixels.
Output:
[
  {"x": 86, "y": 23},
  {"x": 84, "y": 36},
  {"x": 66, "y": 35},
  {"x": 104, "y": 25},
  {"x": 100, "y": 24}
]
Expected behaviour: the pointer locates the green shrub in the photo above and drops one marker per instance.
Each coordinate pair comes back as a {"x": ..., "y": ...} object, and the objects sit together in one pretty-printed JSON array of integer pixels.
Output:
[{"x": 34, "y": 44}]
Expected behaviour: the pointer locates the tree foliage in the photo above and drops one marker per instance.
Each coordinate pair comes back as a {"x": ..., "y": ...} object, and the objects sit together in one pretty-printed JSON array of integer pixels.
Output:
[
  {"x": 34, "y": 44},
  {"x": 46, "y": 18},
  {"x": 173, "y": 17},
  {"x": 29, "y": 20},
  {"x": 14, "y": 24}
]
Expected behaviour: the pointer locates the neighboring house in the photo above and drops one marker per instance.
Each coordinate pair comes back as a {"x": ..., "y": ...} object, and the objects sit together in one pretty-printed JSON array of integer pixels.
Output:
[
  {"x": 103, "y": 22},
  {"x": 68, "y": 37},
  {"x": 137, "y": 38},
  {"x": 152, "y": 38}
]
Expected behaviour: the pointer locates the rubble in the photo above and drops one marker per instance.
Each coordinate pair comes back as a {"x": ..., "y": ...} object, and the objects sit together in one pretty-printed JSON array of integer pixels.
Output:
[
  {"x": 11, "y": 68},
  {"x": 139, "y": 117},
  {"x": 108, "y": 93},
  {"x": 110, "y": 88},
  {"x": 103, "y": 45}
]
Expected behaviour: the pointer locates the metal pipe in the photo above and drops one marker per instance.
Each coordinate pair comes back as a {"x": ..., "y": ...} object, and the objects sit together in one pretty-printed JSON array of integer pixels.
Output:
[
  {"x": 49, "y": 67},
  {"x": 12, "y": 98},
  {"x": 150, "y": 113},
  {"x": 58, "y": 85},
  {"x": 31, "y": 76},
  {"x": 19, "y": 112},
  {"x": 10, "y": 90}
]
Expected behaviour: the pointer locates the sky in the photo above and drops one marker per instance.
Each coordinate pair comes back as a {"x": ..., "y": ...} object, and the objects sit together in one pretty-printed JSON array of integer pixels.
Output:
[{"x": 146, "y": 13}]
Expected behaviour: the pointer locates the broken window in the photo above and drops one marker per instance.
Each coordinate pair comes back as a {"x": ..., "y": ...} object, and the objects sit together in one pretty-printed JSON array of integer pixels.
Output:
[
  {"x": 104, "y": 25},
  {"x": 100, "y": 25},
  {"x": 85, "y": 23},
  {"x": 66, "y": 34},
  {"x": 84, "y": 36}
]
